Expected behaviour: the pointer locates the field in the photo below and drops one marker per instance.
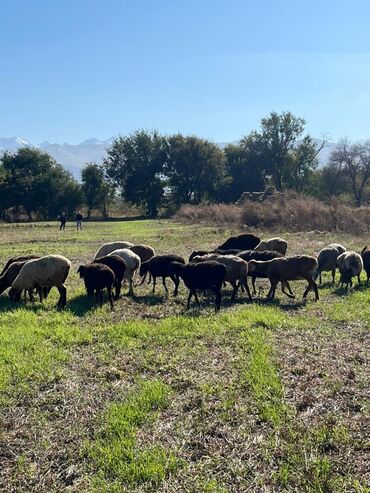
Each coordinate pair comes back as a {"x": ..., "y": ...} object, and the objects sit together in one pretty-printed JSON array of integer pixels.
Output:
[{"x": 261, "y": 397}]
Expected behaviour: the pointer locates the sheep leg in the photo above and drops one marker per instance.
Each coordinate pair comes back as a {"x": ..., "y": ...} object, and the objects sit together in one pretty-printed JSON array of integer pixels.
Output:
[
  {"x": 271, "y": 293},
  {"x": 143, "y": 279},
  {"x": 320, "y": 279},
  {"x": 333, "y": 276},
  {"x": 30, "y": 293},
  {"x": 154, "y": 283},
  {"x": 176, "y": 282},
  {"x": 100, "y": 294},
  {"x": 109, "y": 289},
  {"x": 196, "y": 298},
  {"x": 254, "y": 285},
  {"x": 218, "y": 299},
  {"x": 118, "y": 290},
  {"x": 40, "y": 293},
  {"x": 244, "y": 283},
  {"x": 164, "y": 284},
  {"x": 285, "y": 284},
  {"x": 131, "y": 288},
  {"x": 189, "y": 298},
  {"x": 235, "y": 290},
  {"x": 63, "y": 296},
  {"x": 358, "y": 278}
]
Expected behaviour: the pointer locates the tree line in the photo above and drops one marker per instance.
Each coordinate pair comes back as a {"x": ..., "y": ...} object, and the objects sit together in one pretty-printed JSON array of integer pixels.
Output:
[{"x": 154, "y": 171}]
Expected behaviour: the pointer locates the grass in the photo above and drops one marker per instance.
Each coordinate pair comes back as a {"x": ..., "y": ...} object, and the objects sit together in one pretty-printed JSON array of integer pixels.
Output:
[{"x": 150, "y": 397}]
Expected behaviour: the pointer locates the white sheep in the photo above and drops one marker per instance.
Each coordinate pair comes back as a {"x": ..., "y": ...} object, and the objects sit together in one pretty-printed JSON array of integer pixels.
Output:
[
  {"x": 350, "y": 264},
  {"x": 107, "y": 248},
  {"x": 273, "y": 245},
  {"x": 327, "y": 261},
  {"x": 45, "y": 272},
  {"x": 237, "y": 270},
  {"x": 132, "y": 261},
  {"x": 287, "y": 269}
]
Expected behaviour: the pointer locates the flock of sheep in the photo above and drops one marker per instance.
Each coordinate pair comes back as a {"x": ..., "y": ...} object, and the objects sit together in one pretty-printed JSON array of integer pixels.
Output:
[{"x": 238, "y": 258}]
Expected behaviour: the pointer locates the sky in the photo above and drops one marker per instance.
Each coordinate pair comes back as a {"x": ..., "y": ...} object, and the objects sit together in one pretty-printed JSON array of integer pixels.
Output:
[{"x": 72, "y": 70}]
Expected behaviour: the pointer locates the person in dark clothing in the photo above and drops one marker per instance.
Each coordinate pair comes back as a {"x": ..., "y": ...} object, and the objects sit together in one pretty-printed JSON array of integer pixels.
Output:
[
  {"x": 79, "y": 220},
  {"x": 63, "y": 220}
]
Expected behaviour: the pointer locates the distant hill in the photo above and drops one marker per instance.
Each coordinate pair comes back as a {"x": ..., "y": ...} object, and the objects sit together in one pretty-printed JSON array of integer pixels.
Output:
[{"x": 74, "y": 156}]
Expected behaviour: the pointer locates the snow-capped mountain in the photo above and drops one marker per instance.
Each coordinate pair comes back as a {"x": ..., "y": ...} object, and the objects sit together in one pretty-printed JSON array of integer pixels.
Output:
[{"x": 74, "y": 156}]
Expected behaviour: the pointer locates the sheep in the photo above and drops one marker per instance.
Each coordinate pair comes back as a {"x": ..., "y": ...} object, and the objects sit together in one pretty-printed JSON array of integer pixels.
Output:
[
  {"x": 327, "y": 261},
  {"x": 237, "y": 271},
  {"x": 245, "y": 241},
  {"x": 132, "y": 265},
  {"x": 160, "y": 266},
  {"x": 199, "y": 253},
  {"x": 350, "y": 264},
  {"x": 201, "y": 276},
  {"x": 273, "y": 244},
  {"x": 21, "y": 258},
  {"x": 10, "y": 274},
  {"x": 365, "y": 254},
  {"x": 288, "y": 269},
  {"x": 338, "y": 246},
  {"x": 97, "y": 277},
  {"x": 108, "y": 248},
  {"x": 145, "y": 253},
  {"x": 118, "y": 266},
  {"x": 45, "y": 272},
  {"x": 248, "y": 255}
]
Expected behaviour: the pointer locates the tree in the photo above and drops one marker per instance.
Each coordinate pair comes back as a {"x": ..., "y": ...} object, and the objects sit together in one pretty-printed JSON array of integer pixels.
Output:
[
  {"x": 194, "y": 169},
  {"x": 97, "y": 191},
  {"x": 35, "y": 181},
  {"x": 354, "y": 161},
  {"x": 287, "y": 155},
  {"x": 135, "y": 164},
  {"x": 244, "y": 171}
]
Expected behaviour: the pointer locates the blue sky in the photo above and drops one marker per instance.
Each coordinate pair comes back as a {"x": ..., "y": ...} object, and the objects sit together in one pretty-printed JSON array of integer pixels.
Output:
[{"x": 70, "y": 70}]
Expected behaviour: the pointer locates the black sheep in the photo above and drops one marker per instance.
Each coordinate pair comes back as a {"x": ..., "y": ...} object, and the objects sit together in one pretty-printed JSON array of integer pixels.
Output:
[
  {"x": 97, "y": 277},
  {"x": 20, "y": 258},
  {"x": 263, "y": 256},
  {"x": 202, "y": 276},
  {"x": 118, "y": 266},
  {"x": 160, "y": 266},
  {"x": 245, "y": 241},
  {"x": 365, "y": 254}
]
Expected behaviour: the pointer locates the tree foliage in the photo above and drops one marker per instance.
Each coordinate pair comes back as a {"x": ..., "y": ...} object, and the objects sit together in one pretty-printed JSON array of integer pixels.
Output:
[{"x": 97, "y": 191}]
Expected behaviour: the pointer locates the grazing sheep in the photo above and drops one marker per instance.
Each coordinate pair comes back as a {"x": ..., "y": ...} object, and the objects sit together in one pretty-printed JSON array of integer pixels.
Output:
[
  {"x": 248, "y": 255},
  {"x": 273, "y": 245},
  {"x": 160, "y": 266},
  {"x": 365, "y": 254},
  {"x": 132, "y": 265},
  {"x": 327, "y": 261},
  {"x": 288, "y": 269},
  {"x": 202, "y": 276},
  {"x": 200, "y": 253},
  {"x": 338, "y": 246},
  {"x": 97, "y": 277},
  {"x": 245, "y": 241},
  {"x": 21, "y": 258},
  {"x": 6, "y": 279},
  {"x": 108, "y": 248},
  {"x": 237, "y": 270},
  {"x": 350, "y": 265},
  {"x": 45, "y": 272},
  {"x": 145, "y": 252},
  {"x": 118, "y": 266}
]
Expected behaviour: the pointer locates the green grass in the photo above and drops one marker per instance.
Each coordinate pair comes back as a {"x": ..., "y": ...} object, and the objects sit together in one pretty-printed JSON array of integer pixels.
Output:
[{"x": 151, "y": 397}]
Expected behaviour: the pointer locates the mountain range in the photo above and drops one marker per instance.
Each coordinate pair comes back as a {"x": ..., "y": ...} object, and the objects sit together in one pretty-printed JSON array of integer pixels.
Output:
[{"x": 74, "y": 156}]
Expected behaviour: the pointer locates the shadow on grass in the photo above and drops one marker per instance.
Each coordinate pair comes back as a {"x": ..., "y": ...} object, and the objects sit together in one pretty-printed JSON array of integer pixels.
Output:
[{"x": 343, "y": 291}]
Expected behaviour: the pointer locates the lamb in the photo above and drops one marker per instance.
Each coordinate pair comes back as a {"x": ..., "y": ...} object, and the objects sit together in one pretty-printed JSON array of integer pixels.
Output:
[
  {"x": 201, "y": 276},
  {"x": 274, "y": 245},
  {"x": 45, "y": 272},
  {"x": 161, "y": 266},
  {"x": 288, "y": 269},
  {"x": 118, "y": 266},
  {"x": 237, "y": 271},
  {"x": 132, "y": 265},
  {"x": 108, "y": 248},
  {"x": 350, "y": 264},
  {"x": 327, "y": 261},
  {"x": 97, "y": 277},
  {"x": 248, "y": 255},
  {"x": 338, "y": 246},
  {"x": 245, "y": 241},
  {"x": 21, "y": 258},
  {"x": 365, "y": 254}
]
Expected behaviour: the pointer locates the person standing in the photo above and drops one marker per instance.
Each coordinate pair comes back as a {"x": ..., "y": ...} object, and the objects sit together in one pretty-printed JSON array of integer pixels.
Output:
[
  {"x": 79, "y": 220},
  {"x": 63, "y": 220}
]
